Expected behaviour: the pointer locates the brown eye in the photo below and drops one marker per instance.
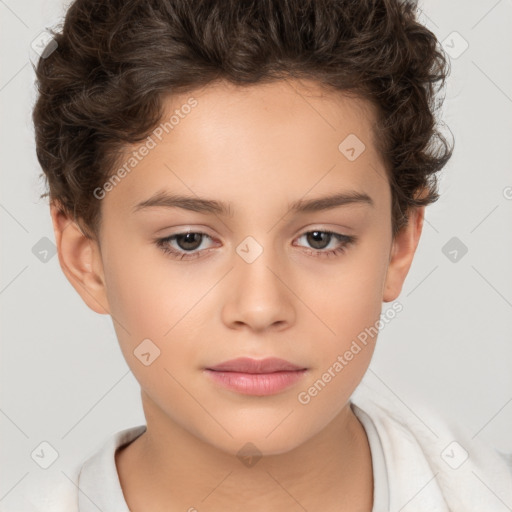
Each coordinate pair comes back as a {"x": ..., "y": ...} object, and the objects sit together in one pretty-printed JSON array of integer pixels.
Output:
[
  {"x": 187, "y": 245},
  {"x": 188, "y": 241},
  {"x": 183, "y": 245},
  {"x": 317, "y": 239}
]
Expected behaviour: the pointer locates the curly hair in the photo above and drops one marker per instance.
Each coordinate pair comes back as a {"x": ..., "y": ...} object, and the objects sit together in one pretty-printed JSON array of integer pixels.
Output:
[{"x": 116, "y": 61}]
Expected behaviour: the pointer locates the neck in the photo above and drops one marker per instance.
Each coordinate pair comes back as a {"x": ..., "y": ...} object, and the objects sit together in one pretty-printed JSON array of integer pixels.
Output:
[{"x": 168, "y": 465}]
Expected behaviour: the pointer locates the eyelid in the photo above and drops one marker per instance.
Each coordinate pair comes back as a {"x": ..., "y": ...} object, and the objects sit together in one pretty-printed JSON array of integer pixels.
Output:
[
  {"x": 335, "y": 228},
  {"x": 180, "y": 230}
]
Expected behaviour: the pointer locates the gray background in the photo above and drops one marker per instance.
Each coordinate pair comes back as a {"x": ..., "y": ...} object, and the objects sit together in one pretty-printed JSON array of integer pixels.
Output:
[{"x": 63, "y": 377}]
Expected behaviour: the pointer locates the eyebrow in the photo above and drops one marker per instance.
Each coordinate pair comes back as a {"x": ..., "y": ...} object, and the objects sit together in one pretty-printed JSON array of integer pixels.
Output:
[{"x": 201, "y": 205}]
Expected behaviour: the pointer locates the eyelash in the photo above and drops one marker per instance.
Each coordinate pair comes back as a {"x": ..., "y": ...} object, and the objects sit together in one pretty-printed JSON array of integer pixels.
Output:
[{"x": 345, "y": 240}]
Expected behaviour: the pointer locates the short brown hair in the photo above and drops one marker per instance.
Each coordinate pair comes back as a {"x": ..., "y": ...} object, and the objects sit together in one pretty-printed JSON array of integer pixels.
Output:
[{"x": 104, "y": 85}]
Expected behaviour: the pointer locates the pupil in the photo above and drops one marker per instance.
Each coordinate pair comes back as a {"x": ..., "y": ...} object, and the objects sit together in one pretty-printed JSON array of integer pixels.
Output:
[
  {"x": 318, "y": 235},
  {"x": 187, "y": 237}
]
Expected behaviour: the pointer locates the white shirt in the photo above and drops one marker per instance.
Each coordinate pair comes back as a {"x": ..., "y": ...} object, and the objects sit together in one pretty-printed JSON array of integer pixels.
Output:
[{"x": 417, "y": 466}]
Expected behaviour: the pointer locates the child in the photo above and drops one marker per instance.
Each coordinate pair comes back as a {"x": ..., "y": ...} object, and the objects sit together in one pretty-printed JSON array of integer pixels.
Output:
[{"x": 256, "y": 131}]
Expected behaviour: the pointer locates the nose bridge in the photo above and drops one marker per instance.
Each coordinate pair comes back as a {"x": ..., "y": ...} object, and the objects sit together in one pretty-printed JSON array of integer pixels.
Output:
[
  {"x": 257, "y": 265},
  {"x": 259, "y": 296}
]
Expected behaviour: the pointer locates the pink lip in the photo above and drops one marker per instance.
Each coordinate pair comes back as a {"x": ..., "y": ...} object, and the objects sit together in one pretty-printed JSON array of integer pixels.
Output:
[
  {"x": 248, "y": 365},
  {"x": 256, "y": 376}
]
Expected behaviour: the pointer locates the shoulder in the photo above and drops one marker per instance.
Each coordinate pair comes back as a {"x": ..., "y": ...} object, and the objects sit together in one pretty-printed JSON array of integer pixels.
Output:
[
  {"x": 49, "y": 491},
  {"x": 422, "y": 451},
  {"x": 70, "y": 489}
]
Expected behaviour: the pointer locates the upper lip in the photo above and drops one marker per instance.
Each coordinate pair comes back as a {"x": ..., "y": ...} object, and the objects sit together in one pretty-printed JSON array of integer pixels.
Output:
[{"x": 248, "y": 365}]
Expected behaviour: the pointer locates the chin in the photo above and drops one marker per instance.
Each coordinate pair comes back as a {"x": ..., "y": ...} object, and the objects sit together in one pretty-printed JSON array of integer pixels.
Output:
[{"x": 257, "y": 444}]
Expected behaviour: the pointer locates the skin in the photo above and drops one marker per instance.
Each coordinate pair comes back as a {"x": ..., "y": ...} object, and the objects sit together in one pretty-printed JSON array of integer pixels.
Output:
[{"x": 258, "y": 148}]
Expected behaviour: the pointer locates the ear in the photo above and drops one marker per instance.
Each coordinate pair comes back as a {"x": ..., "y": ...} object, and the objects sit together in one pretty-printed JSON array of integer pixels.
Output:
[
  {"x": 80, "y": 260},
  {"x": 402, "y": 252}
]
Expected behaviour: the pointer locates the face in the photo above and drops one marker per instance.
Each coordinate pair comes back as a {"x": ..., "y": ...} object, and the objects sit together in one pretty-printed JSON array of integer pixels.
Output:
[{"x": 270, "y": 267}]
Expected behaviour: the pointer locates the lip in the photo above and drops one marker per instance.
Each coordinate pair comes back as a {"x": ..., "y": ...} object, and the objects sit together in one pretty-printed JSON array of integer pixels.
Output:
[
  {"x": 248, "y": 365},
  {"x": 259, "y": 377}
]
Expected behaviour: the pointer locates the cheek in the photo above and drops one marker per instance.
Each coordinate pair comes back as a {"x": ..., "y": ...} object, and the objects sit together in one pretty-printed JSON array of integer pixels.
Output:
[
  {"x": 150, "y": 300},
  {"x": 143, "y": 290},
  {"x": 139, "y": 307},
  {"x": 350, "y": 304},
  {"x": 350, "y": 299},
  {"x": 342, "y": 358},
  {"x": 134, "y": 300}
]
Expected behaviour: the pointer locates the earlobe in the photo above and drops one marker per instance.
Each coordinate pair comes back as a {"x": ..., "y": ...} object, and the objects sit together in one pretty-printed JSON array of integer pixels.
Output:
[
  {"x": 402, "y": 253},
  {"x": 80, "y": 260}
]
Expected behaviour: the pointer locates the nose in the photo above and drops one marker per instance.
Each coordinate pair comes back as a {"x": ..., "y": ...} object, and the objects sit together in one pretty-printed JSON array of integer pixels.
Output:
[{"x": 259, "y": 295}]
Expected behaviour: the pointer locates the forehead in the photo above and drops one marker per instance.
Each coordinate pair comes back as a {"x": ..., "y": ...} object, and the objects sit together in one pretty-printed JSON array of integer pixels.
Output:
[
  {"x": 286, "y": 137},
  {"x": 286, "y": 115}
]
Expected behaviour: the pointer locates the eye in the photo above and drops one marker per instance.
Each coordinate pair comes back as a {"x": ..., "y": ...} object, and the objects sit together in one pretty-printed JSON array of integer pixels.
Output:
[
  {"x": 318, "y": 239},
  {"x": 189, "y": 243}
]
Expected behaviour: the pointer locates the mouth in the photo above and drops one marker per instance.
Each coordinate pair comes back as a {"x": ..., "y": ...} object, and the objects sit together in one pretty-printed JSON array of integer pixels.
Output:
[{"x": 259, "y": 377}]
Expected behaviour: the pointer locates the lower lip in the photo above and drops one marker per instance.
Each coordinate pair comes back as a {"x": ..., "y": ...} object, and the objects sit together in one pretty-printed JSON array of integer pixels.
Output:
[{"x": 261, "y": 384}]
